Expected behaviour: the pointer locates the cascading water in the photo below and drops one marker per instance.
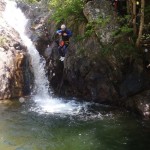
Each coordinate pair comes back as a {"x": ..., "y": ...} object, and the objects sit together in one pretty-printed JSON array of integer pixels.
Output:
[
  {"x": 16, "y": 19},
  {"x": 44, "y": 102}
]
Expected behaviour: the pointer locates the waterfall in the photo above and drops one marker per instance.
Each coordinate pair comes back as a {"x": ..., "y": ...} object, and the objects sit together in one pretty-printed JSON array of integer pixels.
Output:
[
  {"x": 16, "y": 19},
  {"x": 44, "y": 103}
]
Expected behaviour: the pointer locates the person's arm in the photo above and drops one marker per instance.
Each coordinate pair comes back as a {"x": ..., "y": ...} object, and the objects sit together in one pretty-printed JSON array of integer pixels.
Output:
[
  {"x": 69, "y": 33},
  {"x": 59, "y": 32}
]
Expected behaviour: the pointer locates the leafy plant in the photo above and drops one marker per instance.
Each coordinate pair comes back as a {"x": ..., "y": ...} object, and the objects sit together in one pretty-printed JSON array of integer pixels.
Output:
[
  {"x": 124, "y": 27},
  {"x": 66, "y": 8},
  {"x": 102, "y": 21},
  {"x": 89, "y": 29}
]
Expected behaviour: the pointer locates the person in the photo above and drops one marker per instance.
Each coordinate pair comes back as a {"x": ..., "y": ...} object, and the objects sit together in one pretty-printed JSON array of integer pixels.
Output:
[
  {"x": 64, "y": 35},
  {"x": 119, "y": 7},
  {"x": 115, "y": 5}
]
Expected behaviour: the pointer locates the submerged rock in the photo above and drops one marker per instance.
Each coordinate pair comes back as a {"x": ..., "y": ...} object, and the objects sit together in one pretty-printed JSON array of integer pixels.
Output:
[{"x": 15, "y": 69}]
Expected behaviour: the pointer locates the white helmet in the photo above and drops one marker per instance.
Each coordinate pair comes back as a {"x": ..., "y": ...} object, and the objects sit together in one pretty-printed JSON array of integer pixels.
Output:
[{"x": 63, "y": 26}]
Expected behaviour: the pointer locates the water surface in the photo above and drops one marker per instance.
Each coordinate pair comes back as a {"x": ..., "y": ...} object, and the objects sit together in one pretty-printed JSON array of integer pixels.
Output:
[{"x": 22, "y": 128}]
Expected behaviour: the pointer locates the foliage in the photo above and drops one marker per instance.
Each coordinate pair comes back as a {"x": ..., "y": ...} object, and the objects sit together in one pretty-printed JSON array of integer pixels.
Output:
[
  {"x": 92, "y": 26},
  {"x": 124, "y": 27},
  {"x": 122, "y": 31},
  {"x": 64, "y": 9},
  {"x": 89, "y": 29},
  {"x": 101, "y": 21}
]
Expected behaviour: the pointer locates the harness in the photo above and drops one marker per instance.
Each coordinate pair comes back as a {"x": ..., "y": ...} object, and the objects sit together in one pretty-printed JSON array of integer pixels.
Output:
[
  {"x": 61, "y": 43},
  {"x": 65, "y": 38}
]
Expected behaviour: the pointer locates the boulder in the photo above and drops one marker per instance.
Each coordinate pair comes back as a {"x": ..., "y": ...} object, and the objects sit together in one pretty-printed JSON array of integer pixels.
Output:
[
  {"x": 140, "y": 103},
  {"x": 100, "y": 14}
]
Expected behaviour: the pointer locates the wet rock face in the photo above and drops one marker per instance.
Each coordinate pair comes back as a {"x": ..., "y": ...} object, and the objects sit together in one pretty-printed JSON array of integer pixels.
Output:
[
  {"x": 89, "y": 79},
  {"x": 80, "y": 76},
  {"x": 135, "y": 78},
  {"x": 15, "y": 70},
  {"x": 140, "y": 103}
]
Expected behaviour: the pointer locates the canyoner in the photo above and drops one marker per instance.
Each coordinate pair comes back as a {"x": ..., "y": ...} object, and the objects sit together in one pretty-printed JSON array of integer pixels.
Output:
[{"x": 63, "y": 41}]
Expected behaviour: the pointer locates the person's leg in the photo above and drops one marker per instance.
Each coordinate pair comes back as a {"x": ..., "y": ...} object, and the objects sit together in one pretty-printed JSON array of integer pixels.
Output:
[
  {"x": 60, "y": 51},
  {"x": 65, "y": 49}
]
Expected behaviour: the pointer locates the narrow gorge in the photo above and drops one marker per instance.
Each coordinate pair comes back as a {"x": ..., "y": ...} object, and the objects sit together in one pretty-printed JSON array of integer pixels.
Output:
[{"x": 96, "y": 99}]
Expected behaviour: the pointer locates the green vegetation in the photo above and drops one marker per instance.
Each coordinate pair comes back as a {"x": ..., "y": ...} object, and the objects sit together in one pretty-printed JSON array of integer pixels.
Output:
[
  {"x": 124, "y": 39},
  {"x": 101, "y": 21},
  {"x": 124, "y": 27},
  {"x": 30, "y": 1},
  {"x": 64, "y": 9},
  {"x": 90, "y": 27}
]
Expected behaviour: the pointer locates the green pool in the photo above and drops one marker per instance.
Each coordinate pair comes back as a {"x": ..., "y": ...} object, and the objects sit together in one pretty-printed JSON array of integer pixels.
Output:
[{"x": 105, "y": 128}]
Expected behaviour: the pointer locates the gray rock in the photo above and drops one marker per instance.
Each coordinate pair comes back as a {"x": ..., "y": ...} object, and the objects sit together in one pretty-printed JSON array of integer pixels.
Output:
[
  {"x": 101, "y": 14},
  {"x": 140, "y": 103}
]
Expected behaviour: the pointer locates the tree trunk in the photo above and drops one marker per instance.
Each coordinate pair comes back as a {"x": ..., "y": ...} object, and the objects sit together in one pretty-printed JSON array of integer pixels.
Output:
[
  {"x": 134, "y": 17},
  {"x": 128, "y": 6},
  {"x": 141, "y": 23}
]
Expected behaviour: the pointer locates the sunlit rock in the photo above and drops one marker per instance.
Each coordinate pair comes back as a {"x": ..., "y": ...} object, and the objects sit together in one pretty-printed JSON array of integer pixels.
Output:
[{"x": 15, "y": 70}]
